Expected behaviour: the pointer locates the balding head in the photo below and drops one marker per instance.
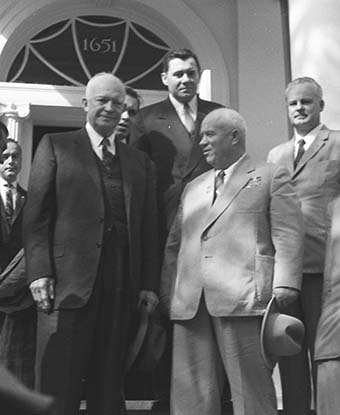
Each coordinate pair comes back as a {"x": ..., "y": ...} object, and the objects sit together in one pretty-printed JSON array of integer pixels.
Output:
[
  {"x": 104, "y": 102},
  {"x": 223, "y": 137}
]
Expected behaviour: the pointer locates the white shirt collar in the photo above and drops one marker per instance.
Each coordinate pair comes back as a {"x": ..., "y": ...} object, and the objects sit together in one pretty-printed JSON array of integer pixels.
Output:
[
  {"x": 229, "y": 170},
  {"x": 179, "y": 106},
  {"x": 96, "y": 140},
  {"x": 3, "y": 183},
  {"x": 309, "y": 137},
  {"x": 3, "y": 190}
]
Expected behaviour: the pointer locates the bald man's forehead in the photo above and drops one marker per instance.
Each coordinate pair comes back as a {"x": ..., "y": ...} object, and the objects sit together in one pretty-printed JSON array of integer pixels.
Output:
[{"x": 105, "y": 82}]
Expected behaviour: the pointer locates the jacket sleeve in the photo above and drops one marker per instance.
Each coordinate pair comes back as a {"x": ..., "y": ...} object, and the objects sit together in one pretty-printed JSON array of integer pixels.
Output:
[
  {"x": 286, "y": 230},
  {"x": 39, "y": 212}
]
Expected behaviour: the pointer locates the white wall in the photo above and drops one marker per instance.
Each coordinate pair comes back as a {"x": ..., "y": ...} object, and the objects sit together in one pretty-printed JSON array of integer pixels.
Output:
[
  {"x": 315, "y": 49},
  {"x": 261, "y": 74}
]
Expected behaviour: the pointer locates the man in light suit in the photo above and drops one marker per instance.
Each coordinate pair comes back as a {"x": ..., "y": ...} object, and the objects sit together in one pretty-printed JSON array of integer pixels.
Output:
[
  {"x": 90, "y": 234},
  {"x": 17, "y": 336},
  {"x": 236, "y": 242},
  {"x": 314, "y": 165}
]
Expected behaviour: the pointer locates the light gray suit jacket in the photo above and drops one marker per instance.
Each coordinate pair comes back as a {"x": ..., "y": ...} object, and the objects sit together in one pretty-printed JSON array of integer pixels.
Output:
[
  {"x": 236, "y": 249},
  {"x": 316, "y": 181}
]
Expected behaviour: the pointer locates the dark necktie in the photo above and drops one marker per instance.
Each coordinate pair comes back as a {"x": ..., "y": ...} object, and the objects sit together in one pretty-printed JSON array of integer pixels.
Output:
[
  {"x": 9, "y": 203},
  {"x": 219, "y": 181},
  {"x": 108, "y": 157},
  {"x": 300, "y": 153},
  {"x": 189, "y": 121}
]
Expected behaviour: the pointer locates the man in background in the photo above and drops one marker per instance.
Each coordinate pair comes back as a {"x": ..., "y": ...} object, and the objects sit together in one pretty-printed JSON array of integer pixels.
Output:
[
  {"x": 169, "y": 131},
  {"x": 126, "y": 122},
  {"x": 18, "y": 333},
  {"x": 312, "y": 157},
  {"x": 90, "y": 232}
]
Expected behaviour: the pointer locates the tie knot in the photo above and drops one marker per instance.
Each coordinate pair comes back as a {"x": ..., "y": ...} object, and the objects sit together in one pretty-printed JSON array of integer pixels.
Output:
[
  {"x": 9, "y": 186},
  {"x": 301, "y": 142},
  {"x": 105, "y": 142},
  {"x": 221, "y": 174}
]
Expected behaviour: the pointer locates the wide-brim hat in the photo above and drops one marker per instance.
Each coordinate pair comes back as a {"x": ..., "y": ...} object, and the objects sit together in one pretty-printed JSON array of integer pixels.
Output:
[{"x": 281, "y": 334}]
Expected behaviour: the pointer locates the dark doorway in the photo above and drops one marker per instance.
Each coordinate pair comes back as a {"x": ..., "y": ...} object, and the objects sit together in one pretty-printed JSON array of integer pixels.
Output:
[{"x": 40, "y": 130}]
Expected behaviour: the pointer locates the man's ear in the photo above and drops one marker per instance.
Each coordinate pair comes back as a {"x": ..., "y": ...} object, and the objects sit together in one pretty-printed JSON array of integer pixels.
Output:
[
  {"x": 164, "y": 77},
  {"x": 322, "y": 105},
  {"x": 85, "y": 103},
  {"x": 235, "y": 137}
]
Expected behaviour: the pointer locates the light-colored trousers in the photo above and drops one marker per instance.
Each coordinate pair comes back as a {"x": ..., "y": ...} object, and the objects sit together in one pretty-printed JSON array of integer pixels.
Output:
[
  {"x": 328, "y": 387},
  {"x": 208, "y": 348}
]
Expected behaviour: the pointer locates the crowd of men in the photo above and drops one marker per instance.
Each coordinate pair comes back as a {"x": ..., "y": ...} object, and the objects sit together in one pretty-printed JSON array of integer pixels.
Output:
[{"x": 162, "y": 208}]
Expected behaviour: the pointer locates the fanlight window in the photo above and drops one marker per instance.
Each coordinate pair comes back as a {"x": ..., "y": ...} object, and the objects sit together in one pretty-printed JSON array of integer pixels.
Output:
[{"x": 71, "y": 51}]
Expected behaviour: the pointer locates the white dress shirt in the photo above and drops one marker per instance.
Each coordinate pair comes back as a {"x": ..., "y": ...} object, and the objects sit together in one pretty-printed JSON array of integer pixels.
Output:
[
  {"x": 96, "y": 141},
  {"x": 308, "y": 138},
  {"x": 3, "y": 191},
  {"x": 179, "y": 107},
  {"x": 228, "y": 171}
]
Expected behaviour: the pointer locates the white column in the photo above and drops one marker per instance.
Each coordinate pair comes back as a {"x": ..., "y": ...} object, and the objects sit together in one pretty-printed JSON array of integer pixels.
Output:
[{"x": 17, "y": 117}]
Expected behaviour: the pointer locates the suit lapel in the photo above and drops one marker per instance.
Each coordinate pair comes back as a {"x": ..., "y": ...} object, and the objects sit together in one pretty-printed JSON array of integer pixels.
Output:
[
  {"x": 315, "y": 147},
  {"x": 19, "y": 203},
  {"x": 126, "y": 165},
  {"x": 196, "y": 152},
  {"x": 5, "y": 228},
  {"x": 86, "y": 156},
  {"x": 237, "y": 181}
]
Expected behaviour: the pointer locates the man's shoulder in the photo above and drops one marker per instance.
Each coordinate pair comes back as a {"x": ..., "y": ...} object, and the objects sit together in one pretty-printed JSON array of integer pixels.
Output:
[
  {"x": 156, "y": 107},
  {"x": 208, "y": 106},
  {"x": 66, "y": 136}
]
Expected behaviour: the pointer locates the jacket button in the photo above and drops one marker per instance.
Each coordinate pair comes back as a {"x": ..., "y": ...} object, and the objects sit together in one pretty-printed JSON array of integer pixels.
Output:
[{"x": 99, "y": 245}]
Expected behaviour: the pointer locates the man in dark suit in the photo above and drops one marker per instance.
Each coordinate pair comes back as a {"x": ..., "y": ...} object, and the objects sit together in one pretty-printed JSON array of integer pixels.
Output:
[
  {"x": 169, "y": 131},
  {"x": 17, "y": 337},
  {"x": 90, "y": 232},
  {"x": 313, "y": 158}
]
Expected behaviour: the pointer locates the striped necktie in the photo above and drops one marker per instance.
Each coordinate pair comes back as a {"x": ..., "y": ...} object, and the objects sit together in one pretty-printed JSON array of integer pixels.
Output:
[
  {"x": 9, "y": 207},
  {"x": 189, "y": 121},
  {"x": 219, "y": 182},
  {"x": 300, "y": 153}
]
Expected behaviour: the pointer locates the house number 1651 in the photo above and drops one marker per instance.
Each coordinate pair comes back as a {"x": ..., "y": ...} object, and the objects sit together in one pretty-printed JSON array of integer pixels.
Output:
[{"x": 96, "y": 45}]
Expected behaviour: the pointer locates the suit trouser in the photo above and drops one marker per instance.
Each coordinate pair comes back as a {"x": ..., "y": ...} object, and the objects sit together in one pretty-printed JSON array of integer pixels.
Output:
[
  {"x": 205, "y": 349},
  {"x": 89, "y": 342},
  {"x": 328, "y": 387},
  {"x": 17, "y": 344},
  {"x": 294, "y": 370}
]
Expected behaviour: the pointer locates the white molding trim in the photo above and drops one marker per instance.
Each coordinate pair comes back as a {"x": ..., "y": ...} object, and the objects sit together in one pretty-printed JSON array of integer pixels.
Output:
[{"x": 174, "y": 21}]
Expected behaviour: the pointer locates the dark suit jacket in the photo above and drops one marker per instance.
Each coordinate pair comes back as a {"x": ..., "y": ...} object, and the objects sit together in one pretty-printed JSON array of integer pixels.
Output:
[
  {"x": 316, "y": 181},
  {"x": 11, "y": 236},
  {"x": 14, "y": 291},
  {"x": 64, "y": 217},
  {"x": 158, "y": 128}
]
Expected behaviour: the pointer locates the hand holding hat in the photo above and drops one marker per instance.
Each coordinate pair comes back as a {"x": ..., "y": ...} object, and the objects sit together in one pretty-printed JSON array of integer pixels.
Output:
[{"x": 281, "y": 334}]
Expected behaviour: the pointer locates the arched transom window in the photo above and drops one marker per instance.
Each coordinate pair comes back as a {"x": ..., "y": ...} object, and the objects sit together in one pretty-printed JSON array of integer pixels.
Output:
[{"x": 71, "y": 51}]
